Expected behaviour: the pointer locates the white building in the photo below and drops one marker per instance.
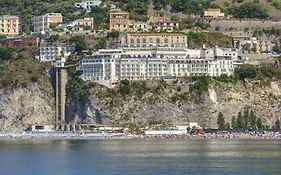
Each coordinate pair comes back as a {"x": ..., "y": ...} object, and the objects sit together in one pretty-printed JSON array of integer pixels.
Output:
[
  {"x": 139, "y": 26},
  {"x": 53, "y": 52},
  {"x": 42, "y": 24},
  {"x": 88, "y": 5},
  {"x": 107, "y": 67}
]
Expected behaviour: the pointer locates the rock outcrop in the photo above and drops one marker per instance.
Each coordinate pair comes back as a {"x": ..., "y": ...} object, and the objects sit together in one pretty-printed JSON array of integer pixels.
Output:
[
  {"x": 35, "y": 104},
  {"x": 106, "y": 107},
  {"x": 22, "y": 107}
]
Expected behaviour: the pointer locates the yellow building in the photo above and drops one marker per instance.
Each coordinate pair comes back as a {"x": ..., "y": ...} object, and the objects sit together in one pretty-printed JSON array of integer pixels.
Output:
[
  {"x": 42, "y": 23},
  {"x": 213, "y": 13},
  {"x": 9, "y": 25},
  {"x": 85, "y": 22},
  {"x": 119, "y": 21}
]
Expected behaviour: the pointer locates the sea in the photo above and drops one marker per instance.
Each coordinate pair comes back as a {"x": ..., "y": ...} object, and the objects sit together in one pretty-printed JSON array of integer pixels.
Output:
[{"x": 140, "y": 157}]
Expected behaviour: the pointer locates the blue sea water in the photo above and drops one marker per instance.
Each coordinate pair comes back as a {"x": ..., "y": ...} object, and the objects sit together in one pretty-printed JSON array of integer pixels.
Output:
[{"x": 140, "y": 157}]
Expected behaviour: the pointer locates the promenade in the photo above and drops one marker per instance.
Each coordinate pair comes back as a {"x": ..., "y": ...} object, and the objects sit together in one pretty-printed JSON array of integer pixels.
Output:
[{"x": 60, "y": 135}]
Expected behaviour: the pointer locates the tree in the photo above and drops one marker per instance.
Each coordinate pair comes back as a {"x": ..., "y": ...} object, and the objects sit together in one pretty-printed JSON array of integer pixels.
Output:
[
  {"x": 245, "y": 71},
  {"x": 239, "y": 123},
  {"x": 246, "y": 118},
  {"x": 220, "y": 121},
  {"x": 53, "y": 38},
  {"x": 233, "y": 122},
  {"x": 259, "y": 123},
  {"x": 80, "y": 43},
  {"x": 125, "y": 87},
  {"x": 277, "y": 124},
  {"x": 248, "y": 10},
  {"x": 101, "y": 43},
  {"x": 227, "y": 126},
  {"x": 252, "y": 120},
  {"x": 113, "y": 34}
]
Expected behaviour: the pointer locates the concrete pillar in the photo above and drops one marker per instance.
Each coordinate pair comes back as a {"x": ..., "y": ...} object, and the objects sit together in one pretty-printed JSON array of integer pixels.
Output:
[{"x": 61, "y": 80}]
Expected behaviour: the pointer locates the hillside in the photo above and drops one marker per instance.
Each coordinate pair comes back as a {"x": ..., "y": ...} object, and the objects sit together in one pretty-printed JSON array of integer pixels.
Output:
[
  {"x": 138, "y": 9},
  {"x": 273, "y": 7}
]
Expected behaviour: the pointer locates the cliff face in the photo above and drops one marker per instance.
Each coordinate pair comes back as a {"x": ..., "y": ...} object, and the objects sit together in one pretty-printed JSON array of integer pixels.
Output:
[
  {"x": 35, "y": 104},
  {"x": 104, "y": 106},
  {"x": 22, "y": 107}
]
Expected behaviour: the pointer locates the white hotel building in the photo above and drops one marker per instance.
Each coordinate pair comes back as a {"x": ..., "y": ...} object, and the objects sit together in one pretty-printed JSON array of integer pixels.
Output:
[
  {"x": 108, "y": 66},
  {"x": 52, "y": 52}
]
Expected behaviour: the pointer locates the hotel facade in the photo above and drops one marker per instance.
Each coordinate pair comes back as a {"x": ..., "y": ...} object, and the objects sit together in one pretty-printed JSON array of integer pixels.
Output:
[{"x": 108, "y": 66}]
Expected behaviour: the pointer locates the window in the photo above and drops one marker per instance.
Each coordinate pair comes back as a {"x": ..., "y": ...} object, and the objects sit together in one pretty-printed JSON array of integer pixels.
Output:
[{"x": 157, "y": 40}]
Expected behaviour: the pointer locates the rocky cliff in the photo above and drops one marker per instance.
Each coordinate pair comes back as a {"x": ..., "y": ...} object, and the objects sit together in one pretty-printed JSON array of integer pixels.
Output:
[
  {"x": 172, "y": 104},
  {"x": 22, "y": 107},
  {"x": 158, "y": 103}
]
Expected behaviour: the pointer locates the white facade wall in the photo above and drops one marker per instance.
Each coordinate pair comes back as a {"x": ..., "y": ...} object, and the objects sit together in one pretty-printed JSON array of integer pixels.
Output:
[
  {"x": 109, "y": 66},
  {"x": 52, "y": 53},
  {"x": 88, "y": 5}
]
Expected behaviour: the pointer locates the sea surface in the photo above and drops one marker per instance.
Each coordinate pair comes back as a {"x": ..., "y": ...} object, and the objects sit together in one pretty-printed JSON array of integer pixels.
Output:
[{"x": 137, "y": 156}]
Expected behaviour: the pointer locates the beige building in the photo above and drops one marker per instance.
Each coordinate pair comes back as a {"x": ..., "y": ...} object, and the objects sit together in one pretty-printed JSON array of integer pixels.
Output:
[
  {"x": 86, "y": 22},
  {"x": 154, "y": 39},
  {"x": 9, "y": 25},
  {"x": 165, "y": 25},
  {"x": 213, "y": 13},
  {"x": 43, "y": 23},
  {"x": 119, "y": 21}
]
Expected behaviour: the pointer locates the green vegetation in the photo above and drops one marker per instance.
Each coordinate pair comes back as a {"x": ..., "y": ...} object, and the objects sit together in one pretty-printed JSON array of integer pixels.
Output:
[
  {"x": 248, "y": 10},
  {"x": 221, "y": 121},
  {"x": 18, "y": 68},
  {"x": 201, "y": 85},
  {"x": 276, "y": 4},
  {"x": 180, "y": 97},
  {"x": 185, "y": 6},
  {"x": 245, "y": 71},
  {"x": 186, "y": 24},
  {"x": 113, "y": 34},
  {"x": 244, "y": 120},
  {"x": 202, "y": 25},
  {"x": 80, "y": 43},
  {"x": 100, "y": 16},
  {"x": 138, "y": 9},
  {"x": 102, "y": 42},
  {"x": 277, "y": 124},
  {"x": 197, "y": 40},
  {"x": 25, "y": 9},
  {"x": 78, "y": 88},
  {"x": 133, "y": 88},
  {"x": 226, "y": 79},
  {"x": 53, "y": 38}
]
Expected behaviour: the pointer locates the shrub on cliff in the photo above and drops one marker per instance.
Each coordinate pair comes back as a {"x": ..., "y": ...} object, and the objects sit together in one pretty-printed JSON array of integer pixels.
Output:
[{"x": 245, "y": 71}]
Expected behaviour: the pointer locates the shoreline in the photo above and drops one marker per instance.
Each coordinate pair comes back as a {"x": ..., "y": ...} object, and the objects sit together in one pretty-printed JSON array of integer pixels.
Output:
[{"x": 58, "y": 135}]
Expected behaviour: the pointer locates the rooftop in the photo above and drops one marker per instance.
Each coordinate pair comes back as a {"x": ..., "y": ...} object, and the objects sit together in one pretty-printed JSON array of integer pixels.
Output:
[
  {"x": 8, "y": 17},
  {"x": 158, "y": 34}
]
